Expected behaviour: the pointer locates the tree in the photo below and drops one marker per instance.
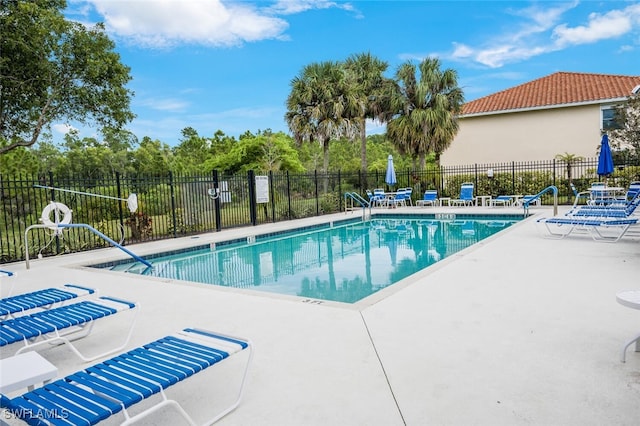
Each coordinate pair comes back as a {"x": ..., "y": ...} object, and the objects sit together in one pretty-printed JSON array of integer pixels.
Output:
[
  {"x": 52, "y": 69},
  {"x": 366, "y": 74},
  {"x": 263, "y": 152},
  {"x": 89, "y": 157},
  {"x": 627, "y": 136},
  {"x": 317, "y": 106},
  {"x": 569, "y": 160},
  {"x": 427, "y": 105},
  {"x": 152, "y": 157},
  {"x": 192, "y": 152}
]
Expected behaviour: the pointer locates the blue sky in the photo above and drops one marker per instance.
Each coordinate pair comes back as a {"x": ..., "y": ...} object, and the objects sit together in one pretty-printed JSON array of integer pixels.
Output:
[{"x": 227, "y": 65}]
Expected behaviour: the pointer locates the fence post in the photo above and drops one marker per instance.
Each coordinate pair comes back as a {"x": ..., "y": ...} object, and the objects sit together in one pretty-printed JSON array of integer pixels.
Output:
[
  {"x": 339, "y": 193},
  {"x": 119, "y": 192},
  {"x": 475, "y": 171},
  {"x": 513, "y": 177},
  {"x": 173, "y": 204},
  {"x": 216, "y": 203},
  {"x": 288, "y": 196},
  {"x": 253, "y": 210},
  {"x": 53, "y": 198},
  {"x": 272, "y": 198},
  {"x": 315, "y": 178}
]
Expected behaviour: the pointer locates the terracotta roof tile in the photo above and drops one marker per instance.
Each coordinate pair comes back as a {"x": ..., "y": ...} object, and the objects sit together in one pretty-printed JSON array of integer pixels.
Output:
[{"x": 560, "y": 88}]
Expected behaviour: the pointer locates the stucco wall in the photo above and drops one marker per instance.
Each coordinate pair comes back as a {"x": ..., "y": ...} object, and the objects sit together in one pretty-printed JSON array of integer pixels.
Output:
[{"x": 526, "y": 136}]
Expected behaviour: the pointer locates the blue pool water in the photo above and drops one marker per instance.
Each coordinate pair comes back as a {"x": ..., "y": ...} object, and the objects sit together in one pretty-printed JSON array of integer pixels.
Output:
[{"x": 342, "y": 262}]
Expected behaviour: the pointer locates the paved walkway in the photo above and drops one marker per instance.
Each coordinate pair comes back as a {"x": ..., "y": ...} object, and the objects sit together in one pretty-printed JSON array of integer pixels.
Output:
[{"x": 517, "y": 330}]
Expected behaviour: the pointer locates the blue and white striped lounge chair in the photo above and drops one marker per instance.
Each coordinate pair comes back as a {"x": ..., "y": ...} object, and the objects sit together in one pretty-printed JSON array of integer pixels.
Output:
[
  {"x": 65, "y": 324},
  {"x": 629, "y": 196},
  {"x": 466, "y": 196},
  {"x": 530, "y": 199},
  {"x": 399, "y": 199},
  {"x": 46, "y": 299},
  {"x": 375, "y": 199},
  {"x": 598, "y": 228},
  {"x": 501, "y": 200},
  {"x": 430, "y": 197},
  {"x": 618, "y": 210},
  {"x": 89, "y": 396},
  {"x": 408, "y": 192}
]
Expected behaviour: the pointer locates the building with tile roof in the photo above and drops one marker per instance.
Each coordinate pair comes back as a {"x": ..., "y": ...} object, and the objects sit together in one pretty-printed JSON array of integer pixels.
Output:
[{"x": 562, "y": 112}]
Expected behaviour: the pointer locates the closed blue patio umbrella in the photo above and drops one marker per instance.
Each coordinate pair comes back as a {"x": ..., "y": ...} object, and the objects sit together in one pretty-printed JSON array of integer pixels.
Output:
[
  {"x": 605, "y": 160},
  {"x": 390, "y": 178}
]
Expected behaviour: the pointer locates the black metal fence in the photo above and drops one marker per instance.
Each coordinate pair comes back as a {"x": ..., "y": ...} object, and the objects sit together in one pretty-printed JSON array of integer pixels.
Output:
[{"x": 173, "y": 205}]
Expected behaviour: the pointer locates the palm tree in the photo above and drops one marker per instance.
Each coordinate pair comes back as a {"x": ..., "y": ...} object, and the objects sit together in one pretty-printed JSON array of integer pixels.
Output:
[
  {"x": 427, "y": 106},
  {"x": 569, "y": 160},
  {"x": 365, "y": 72},
  {"x": 318, "y": 106}
]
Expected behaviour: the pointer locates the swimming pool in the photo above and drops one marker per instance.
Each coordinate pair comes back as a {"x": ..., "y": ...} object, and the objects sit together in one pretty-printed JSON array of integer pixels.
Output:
[{"x": 343, "y": 261}]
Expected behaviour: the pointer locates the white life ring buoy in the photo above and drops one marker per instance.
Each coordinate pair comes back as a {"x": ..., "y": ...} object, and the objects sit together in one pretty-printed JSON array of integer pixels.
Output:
[{"x": 58, "y": 209}]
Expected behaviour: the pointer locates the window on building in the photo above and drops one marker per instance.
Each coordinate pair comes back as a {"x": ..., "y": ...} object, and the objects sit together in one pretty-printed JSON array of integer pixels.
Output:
[{"x": 609, "y": 118}]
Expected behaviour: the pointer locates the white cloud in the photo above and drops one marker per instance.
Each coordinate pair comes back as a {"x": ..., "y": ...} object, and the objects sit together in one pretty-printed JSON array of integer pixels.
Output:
[
  {"x": 168, "y": 104},
  {"x": 541, "y": 32},
  {"x": 218, "y": 23},
  {"x": 461, "y": 51},
  {"x": 161, "y": 23},
  {"x": 288, "y": 7},
  {"x": 599, "y": 27}
]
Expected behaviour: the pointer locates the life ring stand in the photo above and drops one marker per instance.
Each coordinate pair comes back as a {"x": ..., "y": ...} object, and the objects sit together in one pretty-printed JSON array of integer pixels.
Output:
[{"x": 58, "y": 209}]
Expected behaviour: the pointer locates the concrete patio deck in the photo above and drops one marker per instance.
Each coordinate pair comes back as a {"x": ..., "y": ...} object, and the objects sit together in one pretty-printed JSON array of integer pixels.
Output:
[{"x": 516, "y": 330}]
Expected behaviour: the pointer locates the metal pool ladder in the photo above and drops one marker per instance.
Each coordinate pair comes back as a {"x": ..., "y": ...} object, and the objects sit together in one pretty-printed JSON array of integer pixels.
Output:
[
  {"x": 552, "y": 188},
  {"x": 354, "y": 198}
]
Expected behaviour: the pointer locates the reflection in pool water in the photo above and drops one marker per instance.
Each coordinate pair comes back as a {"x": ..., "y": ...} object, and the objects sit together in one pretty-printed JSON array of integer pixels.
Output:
[{"x": 342, "y": 263}]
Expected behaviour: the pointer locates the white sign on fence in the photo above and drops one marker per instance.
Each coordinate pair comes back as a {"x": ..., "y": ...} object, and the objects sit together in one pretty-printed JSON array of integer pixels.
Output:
[{"x": 262, "y": 189}]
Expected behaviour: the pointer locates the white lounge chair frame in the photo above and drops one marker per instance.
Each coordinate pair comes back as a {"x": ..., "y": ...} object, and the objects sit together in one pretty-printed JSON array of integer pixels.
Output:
[
  {"x": 35, "y": 338},
  {"x": 598, "y": 228},
  {"x": 115, "y": 385}
]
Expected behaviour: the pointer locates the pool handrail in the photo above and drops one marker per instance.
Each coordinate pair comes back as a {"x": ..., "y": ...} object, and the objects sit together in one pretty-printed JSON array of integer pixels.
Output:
[
  {"x": 80, "y": 225},
  {"x": 360, "y": 200},
  {"x": 553, "y": 188}
]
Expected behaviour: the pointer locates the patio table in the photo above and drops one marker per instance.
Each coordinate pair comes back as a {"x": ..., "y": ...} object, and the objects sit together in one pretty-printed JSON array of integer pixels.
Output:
[{"x": 25, "y": 370}]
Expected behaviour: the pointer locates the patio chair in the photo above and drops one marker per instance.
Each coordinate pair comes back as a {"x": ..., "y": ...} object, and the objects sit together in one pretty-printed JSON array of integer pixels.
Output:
[
  {"x": 399, "y": 199},
  {"x": 597, "y": 194},
  {"x": 630, "y": 194},
  {"x": 380, "y": 196},
  {"x": 96, "y": 393},
  {"x": 65, "y": 324},
  {"x": 45, "y": 299},
  {"x": 408, "y": 192},
  {"x": 583, "y": 195},
  {"x": 501, "y": 200},
  {"x": 430, "y": 197},
  {"x": 466, "y": 196},
  {"x": 375, "y": 199}
]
